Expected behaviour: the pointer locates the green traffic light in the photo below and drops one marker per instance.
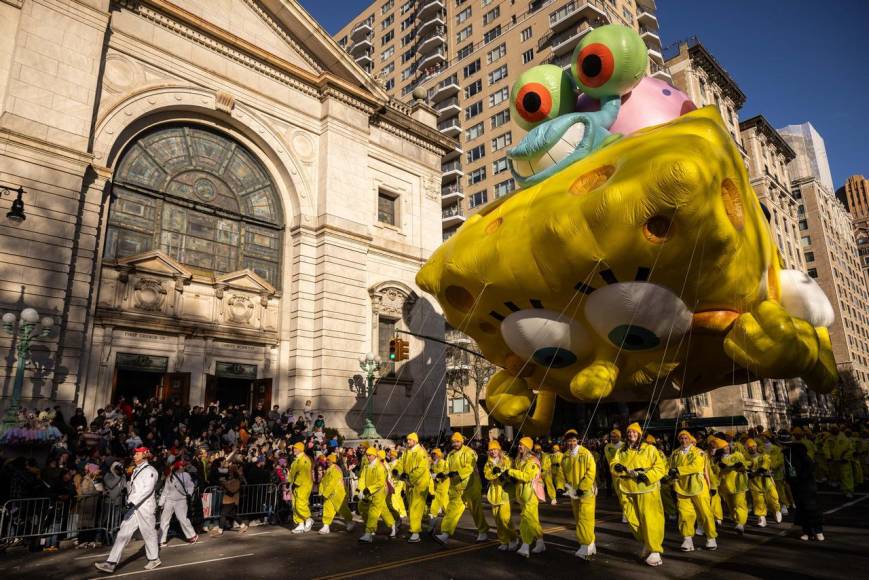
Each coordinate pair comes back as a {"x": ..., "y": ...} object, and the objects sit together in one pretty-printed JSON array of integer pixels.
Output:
[{"x": 391, "y": 356}]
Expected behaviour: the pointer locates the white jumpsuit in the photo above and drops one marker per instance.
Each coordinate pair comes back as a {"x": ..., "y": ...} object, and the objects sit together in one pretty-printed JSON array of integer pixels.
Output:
[
  {"x": 140, "y": 492},
  {"x": 173, "y": 500}
]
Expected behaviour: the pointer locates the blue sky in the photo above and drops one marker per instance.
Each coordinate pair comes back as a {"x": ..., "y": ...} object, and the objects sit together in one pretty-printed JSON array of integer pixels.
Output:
[{"x": 796, "y": 60}]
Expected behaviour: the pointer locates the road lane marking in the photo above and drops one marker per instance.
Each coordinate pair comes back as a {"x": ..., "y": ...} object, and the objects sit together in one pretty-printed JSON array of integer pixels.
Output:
[
  {"x": 183, "y": 545},
  {"x": 844, "y": 505},
  {"x": 423, "y": 558},
  {"x": 161, "y": 568}
]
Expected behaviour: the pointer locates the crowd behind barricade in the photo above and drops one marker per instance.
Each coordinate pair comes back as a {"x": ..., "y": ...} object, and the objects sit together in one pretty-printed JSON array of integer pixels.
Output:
[{"x": 226, "y": 468}]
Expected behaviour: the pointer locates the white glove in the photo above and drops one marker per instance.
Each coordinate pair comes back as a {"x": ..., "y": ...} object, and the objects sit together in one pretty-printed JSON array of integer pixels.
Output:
[{"x": 571, "y": 493}]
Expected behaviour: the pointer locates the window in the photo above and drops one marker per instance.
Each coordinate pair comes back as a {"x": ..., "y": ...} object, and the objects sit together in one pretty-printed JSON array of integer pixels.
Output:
[
  {"x": 476, "y": 153},
  {"x": 463, "y": 15},
  {"x": 465, "y": 51},
  {"x": 407, "y": 22},
  {"x": 387, "y": 22},
  {"x": 526, "y": 34},
  {"x": 490, "y": 16},
  {"x": 388, "y": 69},
  {"x": 387, "y": 204},
  {"x": 459, "y": 405},
  {"x": 804, "y": 225},
  {"x": 464, "y": 33},
  {"x": 499, "y": 119},
  {"x": 476, "y": 176},
  {"x": 806, "y": 240},
  {"x": 473, "y": 88},
  {"x": 813, "y": 272},
  {"x": 496, "y": 53},
  {"x": 343, "y": 42},
  {"x": 627, "y": 14},
  {"x": 387, "y": 6},
  {"x": 528, "y": 56},
  {"x": 407, "y": 39},
  {"x": 472, "y": 68},
  {"x": 478, "y": 198},
  {"x": 502, "y": 141},
  {"x": 492, "y": 34},
  {"x": 408, "y": 55},
  {"x": 387, "y": 38},
  {"x": 505, "y": 187},
  {"x": 499, "y": 96},
  {"x": 474, "y": 131},
  {"x": 499, "y": 165},
  {"x": 387, "y": 53},
  {"x": 389, "y": 85},
  {"x": 498, "y": 74},
  {"x": 473, "y": 110},
  {"x": 407, "y": 6}
]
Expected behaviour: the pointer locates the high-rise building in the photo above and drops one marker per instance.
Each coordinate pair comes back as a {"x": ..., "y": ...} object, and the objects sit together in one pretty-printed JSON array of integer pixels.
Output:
[
  {"x": 811, "y": 159},
  {"x": 465, "y": 55},
  {"x": 855, "y": 195},
  {"x": 830, "y": 250}
]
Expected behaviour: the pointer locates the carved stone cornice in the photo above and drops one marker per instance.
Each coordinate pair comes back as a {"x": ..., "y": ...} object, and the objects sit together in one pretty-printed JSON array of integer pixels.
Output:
[{"x": 276, "y": 27}]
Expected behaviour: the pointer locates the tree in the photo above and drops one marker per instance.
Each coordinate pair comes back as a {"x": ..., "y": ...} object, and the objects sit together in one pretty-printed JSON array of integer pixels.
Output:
[
  {"x": 848, "y": 397},
  {"x": 467, "y": 373}
]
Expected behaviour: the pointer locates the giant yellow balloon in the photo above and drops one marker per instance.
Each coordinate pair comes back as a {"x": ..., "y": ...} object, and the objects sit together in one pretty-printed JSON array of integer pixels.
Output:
[{"x": 645, "y": 269}]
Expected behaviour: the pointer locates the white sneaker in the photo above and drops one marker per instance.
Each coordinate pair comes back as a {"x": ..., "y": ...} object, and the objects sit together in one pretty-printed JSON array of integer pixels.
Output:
[
  {"x": 106, "y": 567},
  {"x": 687, "y": 545},
  {"x": 482, "y": 537},
  {"x": 784, "y": 510},
  {"x": 164, "y": 544},
  {"x": 366, "y": 538},
  {"x": 525, "y": 551},
  {"x": 539, "y": 546},
  {"x": 718, "y": 522},
  {"x": 414, "y": 538},
  {"x": 586, "y": 552},
  {"x": 299, "y": 529},
  {"x": 804, "y": 537},
  {"x": 654, "y": 559},
  {"x": 819, "y": 537},
  {"x": 711, "y": 544},
  {"x": 242, "y": 529},
  {"x": 349, "y": 527},
  {"x": 309, "y": 523},
  {"x": 153, "y": 564},
  {"x": 441, "y": 538},
  {"x": 394, "y": 531},
  {"x": 778, "y": 516},
  {"x": 503, "y": 547},
  {"x": 324, "y": 530},
  {"x": 700, "y": 531},
  {"x": 513, "y": 545},
  {"x": 740, "y": 529},
  {"x": 624, "y": 519},
  {"x": 553, "y": 502},
  {"x": 761, "y": 522}
]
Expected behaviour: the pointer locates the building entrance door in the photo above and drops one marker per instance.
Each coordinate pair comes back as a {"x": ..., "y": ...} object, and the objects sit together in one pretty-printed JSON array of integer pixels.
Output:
[
  {"x": 236, "y": 384},
  {"x": 138, "y": 375}
]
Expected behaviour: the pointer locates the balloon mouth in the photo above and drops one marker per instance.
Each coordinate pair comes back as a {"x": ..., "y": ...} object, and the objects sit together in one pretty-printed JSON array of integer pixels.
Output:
[{"x": 713, "y": 321}]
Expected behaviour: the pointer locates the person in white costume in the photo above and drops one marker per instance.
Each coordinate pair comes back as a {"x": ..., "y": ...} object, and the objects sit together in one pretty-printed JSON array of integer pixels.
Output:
[{"x": 173, "y": 499}]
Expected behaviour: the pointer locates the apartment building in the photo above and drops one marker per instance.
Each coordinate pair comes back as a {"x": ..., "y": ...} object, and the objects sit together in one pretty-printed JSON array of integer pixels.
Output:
[
  {"x": 855, "y": 195},
  {"x": 811, "y": 159},
  {"x": 465, "y": 55}
]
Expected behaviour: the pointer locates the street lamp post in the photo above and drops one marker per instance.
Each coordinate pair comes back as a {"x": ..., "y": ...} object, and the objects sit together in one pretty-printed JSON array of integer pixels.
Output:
[
  {"x": 370, "y": 365},
  {"x": 29, "y": 327}
]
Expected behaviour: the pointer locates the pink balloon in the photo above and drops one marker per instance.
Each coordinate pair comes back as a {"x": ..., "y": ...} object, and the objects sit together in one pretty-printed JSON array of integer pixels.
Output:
[{"x": 652, "y": 102}]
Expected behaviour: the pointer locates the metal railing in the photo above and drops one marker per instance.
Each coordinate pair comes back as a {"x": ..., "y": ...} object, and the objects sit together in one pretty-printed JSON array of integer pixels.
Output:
[{"x": 52, "y": 520}]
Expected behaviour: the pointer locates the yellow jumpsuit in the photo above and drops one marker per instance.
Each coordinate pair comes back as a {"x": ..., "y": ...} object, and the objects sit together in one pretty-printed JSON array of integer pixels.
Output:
[
  {"x": 394, "y": 499},
  {"x": 833, "y": 471},
  {"x": 557, "y": 459},
  {"x": 548, "y": 480},
  {"x": 439, "y": 490},
  {"x": 764, "y": 496},
  {"x": 499, "y": 497},
  {"x": 372, "y": 485},
  {"x": 692, "y": 492},
  {"x": 857, "y": 460},
  {"x": 777, "y": 463},
  {"x": 414, "y": 463},
  {"x": 609, "y": 452},
  {"x": 714, "y": 472},
  {"x": 302, "y": 481},
  {"x": 821, "y": 457},
  {"x": 668, "y": 499},
  {"x": 734, "y": 485},
  {"x": 580, "y": 471},
  {"x": 334, "y": 496},
  {"x": 465, "y": 491},
  {"x": 841, "y": 456},
  {"x": 525, "y": 472},
  {"x": 642, "y": 502}
]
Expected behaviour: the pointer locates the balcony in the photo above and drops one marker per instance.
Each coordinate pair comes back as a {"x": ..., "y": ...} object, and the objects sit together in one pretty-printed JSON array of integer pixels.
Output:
[
  {"x": 453, "y": 154},
  {"x": 436, "y": 59},
  {"x": 444, "y": 89},
  {"x": 364, "y": 60},
  {"x": 451, "y": 127},
  {"x": 452, "y": 171},
  {"x": 566, "y": 41},
  {"x": 660, "y": 72},
  {"x": 429, "y": 8},
  {"x": 562, "y": 60},
  {"x": 655, "y": 55},
  {"x": 448, "y": 108},
  {"x": 647, "y": 18},
  {"x": 570, "y": 13},
  {"x": 452, "y": 216},
  {"x": 432, "y": 23},
  {"x": 452, "y": 194},
  {"x": 363, "y": 43},
  {"x": 650, "y": 37},
  {"x": 361, "y": 30},
  {"x": 431, "y": 41}
]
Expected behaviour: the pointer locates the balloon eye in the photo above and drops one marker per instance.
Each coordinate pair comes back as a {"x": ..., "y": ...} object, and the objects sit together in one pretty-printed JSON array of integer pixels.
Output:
[
  {"x": 533, "y": 102},
  {"x": 595, "y": 64},
  {"x": 554, "y": 357},
  {"x": 632, "y": 337}
]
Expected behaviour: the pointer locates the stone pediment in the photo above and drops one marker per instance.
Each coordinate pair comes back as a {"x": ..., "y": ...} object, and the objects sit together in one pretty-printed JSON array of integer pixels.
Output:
[
  {"x": 246, "y": 280},
  {"x": 155, "y": 262}
]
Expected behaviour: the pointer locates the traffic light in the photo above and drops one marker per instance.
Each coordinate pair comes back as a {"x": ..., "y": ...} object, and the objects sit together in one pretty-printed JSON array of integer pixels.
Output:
[
  {"x": 393, "y": 348},
  {"x": 403, "y": 349}
]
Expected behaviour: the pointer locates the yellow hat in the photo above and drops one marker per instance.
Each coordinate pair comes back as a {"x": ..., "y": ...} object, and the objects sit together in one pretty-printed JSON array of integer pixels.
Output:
[
  {"x": 538, "y": 447},
  {"x": 381, "y": 454},
  {"x": 332, "y": 458},
  {"x": 393, "y": 452},
  {"x": 571, "y": 433},
  {"x": 371, "y": 451},
  {"x": 650, "y": 439},
  {"x": 635, "y": 427},
  {"x": 457, "y": 437},
  {"x": 527, "y": 443},
  {"x": 556, "y": 448},
  {"x": 413, "y": 437},
  {"x": 437, "y": 452},
  {"x": 717, "y": 443},
  {"x": 616, "y": 432},
  {"x": 750, "y": 443},
  {"x": 691, "y": 437},
  {"x": 493, "y": 444},
  {"x": 299, "y": 446}
]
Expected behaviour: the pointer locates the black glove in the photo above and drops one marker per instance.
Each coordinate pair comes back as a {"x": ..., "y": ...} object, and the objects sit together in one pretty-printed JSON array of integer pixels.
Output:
[
  {"x": 619, "y": 468},
  {"x": 366, "y": 492},
  {"x": 713, "y": 492},
  {"x": 556, "y": 465},
  {"x": 643, "y": 478},
  {"x": 504, "y": 478},
  {"x": 404, "y": 477},
  {"x": 440, "y": 477},
  {"x": 674, "y": 473},
  {"x": 295, "y": 486},
  {"x": 394, "y": 473},
  {"x": 496, "y": 470},
  {"x": 130, "y": 505},
  {"x": 453, "y": 474}
]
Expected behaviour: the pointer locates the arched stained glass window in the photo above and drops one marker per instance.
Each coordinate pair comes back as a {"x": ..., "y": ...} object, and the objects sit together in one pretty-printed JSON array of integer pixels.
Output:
[{"x": 199, "y": 197}]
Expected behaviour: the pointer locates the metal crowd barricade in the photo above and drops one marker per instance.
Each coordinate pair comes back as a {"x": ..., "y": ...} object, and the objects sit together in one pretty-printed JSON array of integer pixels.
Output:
[
  {"x": 50, "y": 521},
  {"x": 259, "y": 501}
]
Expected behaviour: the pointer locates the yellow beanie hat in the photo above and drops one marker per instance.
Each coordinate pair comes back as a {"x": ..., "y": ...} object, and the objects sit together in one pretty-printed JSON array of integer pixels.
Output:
[
  {"x": 691, "y": 437},
  {"x": 381, "y": 454},
  {"x": 299, "y": 446},
  {"x": 556, "y": 448},
  {"x": 750, "y": 443},
  {"x": 438, "y": 453},
  {"x": 716, "y": 443},
  {"x": 635, "y": 427},
  {"x": 332, "y": 458},
  {"x": 493, "y": 444},
  {"x": 458, "y": 437},
  {"x": 413, "y": 437},
  {"x": 371, "y": 452},
  {"x": 527, "y": 443},
  {"x": 616, "y": 432},
  {"x": 650, "y": 439},
  {"x": 571, "y": 433}
]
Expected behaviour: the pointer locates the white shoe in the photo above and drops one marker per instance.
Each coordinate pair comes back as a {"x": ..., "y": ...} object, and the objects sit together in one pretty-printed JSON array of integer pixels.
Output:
[
  {"x": 482, "y": 537},
  {"x": 394, "y": 531},
  {"x": 366, "y": 538},
  {"x": 804, "y": 537},
  {"x": 586, "y": 552},
  {"x": 654, "y": 559},
  {"x": 711, "y": 544},
  {"x": 761, "y": 522},
  {"x": 718, "y": 522},
  {"x": 324, "y": 530},
  {"x": 553, "y": 502},
  {"x": 299, "y": 529},
  {"x": 441, "y": 538},
  {"x": 687, "y": 545},
  {"x": 503, "y": 547},
  {"x": 525, "y": 551},
  {"x": 784, "y": 510},
  {"x": 819, "y": 537},
  {"x": 539, "y": 546},
  {"x": 242, "y": 529},
  {"x": 624, "y": 519},
  {"x": 349, "y": 527},
  {"x": 740, "y": 529},
  {"x": 700, "y": 531},
  {"x": 164, "y": 544},
  {"x": 153, "y": 564},
  {"x": 309, "y": 523},
  {"x": 413, "y": 539},
  {"x": 106, "y": 567},
  {"x": 778, "y": 516},
  {"x": 513, "y": 545}
]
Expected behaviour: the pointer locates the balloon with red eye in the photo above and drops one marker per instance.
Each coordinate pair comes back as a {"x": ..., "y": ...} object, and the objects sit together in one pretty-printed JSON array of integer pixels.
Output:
[
  {"x": 541, "y": 93},
  {"x": 609, "y": 61}
]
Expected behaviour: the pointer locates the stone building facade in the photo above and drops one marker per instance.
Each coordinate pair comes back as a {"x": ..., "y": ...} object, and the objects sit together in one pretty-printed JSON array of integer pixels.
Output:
[
  {"x": 221, "y": 206},
  {"x": 855, "y": 195}
]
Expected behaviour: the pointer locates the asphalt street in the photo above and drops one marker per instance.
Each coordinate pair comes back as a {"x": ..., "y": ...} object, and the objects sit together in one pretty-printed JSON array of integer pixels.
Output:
[{"x": 273, "y": 552}]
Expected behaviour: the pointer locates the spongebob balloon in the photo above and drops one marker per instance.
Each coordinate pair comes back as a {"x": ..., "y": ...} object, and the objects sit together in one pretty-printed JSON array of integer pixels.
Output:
[{"x": 629, "y": 267}]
